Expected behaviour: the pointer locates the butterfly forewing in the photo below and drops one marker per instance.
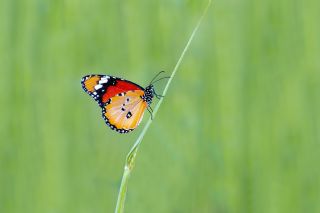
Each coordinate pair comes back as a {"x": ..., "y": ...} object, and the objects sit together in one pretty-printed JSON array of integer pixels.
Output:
[
  {"x": 124, "y": 111},
  {"x": 103, "y": 87}
]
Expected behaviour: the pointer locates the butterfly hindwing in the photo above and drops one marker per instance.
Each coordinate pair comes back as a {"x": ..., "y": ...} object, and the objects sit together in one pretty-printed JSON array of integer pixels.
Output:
[
  {"x": 124, "y": 111},
  {"x": 103, "y": 87}
]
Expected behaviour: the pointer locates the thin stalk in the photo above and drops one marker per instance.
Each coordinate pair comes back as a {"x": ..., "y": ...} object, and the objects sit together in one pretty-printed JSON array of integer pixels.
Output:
[{"x": 130, "y": 160}]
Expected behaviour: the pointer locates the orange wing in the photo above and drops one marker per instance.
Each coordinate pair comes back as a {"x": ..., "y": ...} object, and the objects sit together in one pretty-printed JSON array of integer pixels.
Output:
[
  {"x": 124, "y": 111},
  {"x": 103, "y": 87}
]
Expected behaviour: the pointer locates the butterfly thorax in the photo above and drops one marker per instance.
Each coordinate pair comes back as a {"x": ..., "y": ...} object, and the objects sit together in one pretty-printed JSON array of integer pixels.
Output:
[{"x": 148, "y": 94}]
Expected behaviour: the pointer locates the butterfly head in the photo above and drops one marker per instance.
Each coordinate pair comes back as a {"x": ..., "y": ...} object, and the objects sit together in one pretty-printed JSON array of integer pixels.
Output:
[{"x": 148, "y": 94}]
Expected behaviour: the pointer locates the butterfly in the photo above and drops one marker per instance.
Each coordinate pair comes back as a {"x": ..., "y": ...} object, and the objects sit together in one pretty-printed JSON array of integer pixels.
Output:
[{"x": 123, "y": 102}]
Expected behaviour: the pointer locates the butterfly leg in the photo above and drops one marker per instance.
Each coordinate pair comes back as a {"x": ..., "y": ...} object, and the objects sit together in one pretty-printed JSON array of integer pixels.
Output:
[
  {"x": 150, "y": 110},
  {"x": 158, "y": 96}
]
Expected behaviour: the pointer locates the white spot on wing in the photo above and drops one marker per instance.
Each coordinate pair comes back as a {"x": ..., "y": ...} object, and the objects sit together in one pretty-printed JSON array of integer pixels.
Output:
[
  {"x": 97, "y": 87},
  {"x": 104, "y": 80}
]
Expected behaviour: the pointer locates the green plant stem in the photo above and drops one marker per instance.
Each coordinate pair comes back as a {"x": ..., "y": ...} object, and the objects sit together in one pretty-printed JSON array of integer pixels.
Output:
[
  {"x": 123, "y": 190},
  {"x": 130, "y": 160}
]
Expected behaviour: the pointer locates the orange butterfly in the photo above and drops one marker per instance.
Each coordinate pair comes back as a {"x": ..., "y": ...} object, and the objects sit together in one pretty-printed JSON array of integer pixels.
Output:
[{"x": 123, "y": 102}]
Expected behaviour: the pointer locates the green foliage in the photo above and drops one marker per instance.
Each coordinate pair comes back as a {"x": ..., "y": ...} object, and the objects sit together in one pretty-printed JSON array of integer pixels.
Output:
[{"x": 237, "y": 132}]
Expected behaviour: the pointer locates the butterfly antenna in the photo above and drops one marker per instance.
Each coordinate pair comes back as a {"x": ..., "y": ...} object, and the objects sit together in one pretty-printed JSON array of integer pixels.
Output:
[
  {"x": 156, "y": 76},
  {"x": 161, "y": 79}
]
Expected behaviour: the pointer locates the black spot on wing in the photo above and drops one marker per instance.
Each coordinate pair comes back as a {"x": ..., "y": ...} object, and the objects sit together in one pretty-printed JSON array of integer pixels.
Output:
[{"x": 129, "y": 115}]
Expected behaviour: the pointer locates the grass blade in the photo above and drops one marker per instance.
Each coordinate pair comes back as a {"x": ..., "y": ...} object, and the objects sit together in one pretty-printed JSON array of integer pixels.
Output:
[{"x": 130, "y": 160}]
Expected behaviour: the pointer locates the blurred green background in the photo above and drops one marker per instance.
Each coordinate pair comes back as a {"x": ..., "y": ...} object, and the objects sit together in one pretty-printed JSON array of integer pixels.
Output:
[{"x": 238, "y": 131}]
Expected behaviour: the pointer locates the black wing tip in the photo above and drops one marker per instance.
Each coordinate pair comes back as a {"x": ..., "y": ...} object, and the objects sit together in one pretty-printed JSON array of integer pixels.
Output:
[
  {"x": 85, "y": 77},
  {"x": 96, "y": 96}
]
